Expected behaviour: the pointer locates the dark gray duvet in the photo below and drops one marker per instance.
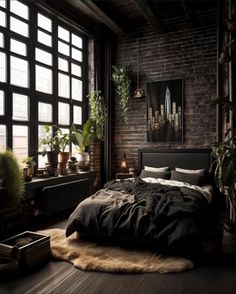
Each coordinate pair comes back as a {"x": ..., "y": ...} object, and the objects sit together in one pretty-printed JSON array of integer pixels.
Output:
[{"x": 168, "y": 216}]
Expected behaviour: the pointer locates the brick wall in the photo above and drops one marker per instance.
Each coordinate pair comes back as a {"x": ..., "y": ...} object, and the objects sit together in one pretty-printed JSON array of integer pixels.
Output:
[{"x": 185, "y": 51}]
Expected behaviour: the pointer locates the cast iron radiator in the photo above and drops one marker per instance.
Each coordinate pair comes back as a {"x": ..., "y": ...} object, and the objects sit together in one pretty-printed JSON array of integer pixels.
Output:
[{"x": 57, "y": 198}]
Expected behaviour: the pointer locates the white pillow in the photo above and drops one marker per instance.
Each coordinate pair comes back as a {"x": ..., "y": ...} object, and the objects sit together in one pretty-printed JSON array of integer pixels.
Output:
[
  {"x": 156, "y": 169},
  {"x": 190, "y": 171}
]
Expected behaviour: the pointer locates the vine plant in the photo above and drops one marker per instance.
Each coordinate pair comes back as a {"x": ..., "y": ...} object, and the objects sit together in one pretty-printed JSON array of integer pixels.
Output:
[
  {"x": 97, "y": 112},
  {"x": 122, "y": 82}
]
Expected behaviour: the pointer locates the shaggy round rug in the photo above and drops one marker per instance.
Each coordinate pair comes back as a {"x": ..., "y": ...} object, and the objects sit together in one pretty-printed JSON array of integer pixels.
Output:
[{"x": 91, "y": 256}]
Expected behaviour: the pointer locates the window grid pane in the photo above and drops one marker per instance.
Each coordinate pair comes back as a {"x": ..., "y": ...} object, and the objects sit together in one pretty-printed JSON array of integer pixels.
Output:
[
  {"x": 44, "y": 22},
  {"x": 63, "y": 48},
  {"x": 18, "y": 47},
  {"x": 43, "y": 78},
  {"x": 20, "y": 107},
  {"x": 77, "y": 114},
  {"x": 1, "y": 39},
  {"x": 43, "y": 56},
  {"x": 76, "y": 41},
  {"x": 3, "y": 137},
  {"x": 19, "y": 72},
  {"x": 63, "y": 34},
  {"x": 44, "y": 112},
  {"x": 2, "y": 19},
  {"x": 19, "y": 26},
  {"x": 19, "y": 9},
  {"x": 2, "y": 103},
  {"x": 2, "y": 67},
  {"x": 63, "y": 113},
  {"x": 20, "y": 141},
  {"x": 44, "y": 38},
  {"x": 63, "y": 85},
  {"x": 76, "y": 86}
]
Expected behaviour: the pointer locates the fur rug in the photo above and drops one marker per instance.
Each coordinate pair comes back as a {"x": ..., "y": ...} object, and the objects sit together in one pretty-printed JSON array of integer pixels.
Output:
[{"x": 94, "y": 257}]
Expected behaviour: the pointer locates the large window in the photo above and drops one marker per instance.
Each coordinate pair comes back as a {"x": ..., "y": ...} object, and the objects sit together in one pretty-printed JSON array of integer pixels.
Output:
[{"x": 42, "y": 75}]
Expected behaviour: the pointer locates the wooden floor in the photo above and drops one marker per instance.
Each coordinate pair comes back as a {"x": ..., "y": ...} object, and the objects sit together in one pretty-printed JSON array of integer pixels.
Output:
[{"x": 62, "y": 277}]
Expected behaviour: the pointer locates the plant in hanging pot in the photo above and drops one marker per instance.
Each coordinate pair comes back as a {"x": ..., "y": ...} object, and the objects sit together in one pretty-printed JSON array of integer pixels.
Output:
[
  {"x": 97, "y": 112},
  {"x": 51, "y": 141},
  {"x": 11, "y": 175},
  {"x": 82, "y": 139},
  {"x": 122, "y": 82}
]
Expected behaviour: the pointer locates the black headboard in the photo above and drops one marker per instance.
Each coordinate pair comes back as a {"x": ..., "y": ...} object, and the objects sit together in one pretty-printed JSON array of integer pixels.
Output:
[{"x": 184, "y": 158}]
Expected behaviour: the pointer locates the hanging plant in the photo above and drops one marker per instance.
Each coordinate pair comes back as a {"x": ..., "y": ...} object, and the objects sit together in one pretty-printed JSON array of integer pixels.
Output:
[
  {"x": 97, "y": 112},
  {"x": 122, "y": 82}
]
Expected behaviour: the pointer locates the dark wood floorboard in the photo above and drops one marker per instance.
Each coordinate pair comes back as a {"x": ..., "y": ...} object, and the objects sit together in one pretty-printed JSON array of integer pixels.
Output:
[{"x": 61, "y": 277}]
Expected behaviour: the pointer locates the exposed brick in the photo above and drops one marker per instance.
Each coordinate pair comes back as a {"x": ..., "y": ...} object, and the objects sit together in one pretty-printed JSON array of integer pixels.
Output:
[{"x": 187, "y": 52}]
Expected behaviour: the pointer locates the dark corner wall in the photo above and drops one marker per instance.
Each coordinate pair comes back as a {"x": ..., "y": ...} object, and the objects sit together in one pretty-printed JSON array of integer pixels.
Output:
[{"x": 187, "y": 51}]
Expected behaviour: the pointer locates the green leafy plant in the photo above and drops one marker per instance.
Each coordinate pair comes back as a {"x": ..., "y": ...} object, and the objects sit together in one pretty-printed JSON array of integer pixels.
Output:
[
  {"x": 12, "y": 177},
  {"x": 29, "y": 160},
  {"x": 97, "y": 112},
  {"x": 224, "y": 165},
  {"x": 51, "y": 140},
  {"x": 122, "y": 82},
  {"x": 83, "y": 138},
  {"x": 63, "y": 140}
]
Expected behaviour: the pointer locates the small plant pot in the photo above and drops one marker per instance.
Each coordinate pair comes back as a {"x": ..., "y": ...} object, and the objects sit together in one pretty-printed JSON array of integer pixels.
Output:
[
  {"x": 64, "y": 157},
  {"x": 52, "y": 158}
]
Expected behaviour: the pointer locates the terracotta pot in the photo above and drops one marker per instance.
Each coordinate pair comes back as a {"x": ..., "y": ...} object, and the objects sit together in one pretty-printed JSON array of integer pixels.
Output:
[
  {"x": 83, "y": 159},
  {"x": 64, "y": 157}
]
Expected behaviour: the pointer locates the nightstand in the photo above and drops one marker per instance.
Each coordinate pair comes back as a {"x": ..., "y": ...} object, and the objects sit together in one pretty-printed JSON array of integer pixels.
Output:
[{"x": 124, "y": 175}]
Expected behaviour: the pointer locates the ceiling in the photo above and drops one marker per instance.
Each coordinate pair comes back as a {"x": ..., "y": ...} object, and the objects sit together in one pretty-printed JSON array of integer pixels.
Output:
[{"x": 123, "y": 16}]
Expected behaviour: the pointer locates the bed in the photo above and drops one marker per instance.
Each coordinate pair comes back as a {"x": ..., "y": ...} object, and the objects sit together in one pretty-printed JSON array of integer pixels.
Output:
[{"x": 167, "y": 206}]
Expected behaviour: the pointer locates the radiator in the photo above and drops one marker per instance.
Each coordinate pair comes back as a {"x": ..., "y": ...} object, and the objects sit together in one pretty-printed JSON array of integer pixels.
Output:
[{"x": 60, "y": 197}]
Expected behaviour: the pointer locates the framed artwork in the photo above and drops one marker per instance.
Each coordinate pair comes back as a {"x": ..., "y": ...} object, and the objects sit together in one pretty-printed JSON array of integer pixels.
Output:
[{"x": 165, "y": 111}]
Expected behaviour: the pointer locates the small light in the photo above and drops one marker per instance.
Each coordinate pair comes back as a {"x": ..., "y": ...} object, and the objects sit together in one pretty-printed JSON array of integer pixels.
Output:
[{"x": 123, "y": 164}]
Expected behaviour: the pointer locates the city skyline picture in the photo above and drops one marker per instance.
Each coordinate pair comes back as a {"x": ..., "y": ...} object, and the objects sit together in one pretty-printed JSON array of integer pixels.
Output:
[{"x": 165, "y": 111}]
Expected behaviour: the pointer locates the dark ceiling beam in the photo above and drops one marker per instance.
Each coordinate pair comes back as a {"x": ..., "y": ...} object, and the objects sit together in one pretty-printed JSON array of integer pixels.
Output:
[
  {"x": 103, "y": 17},
  {"x": 149, "y": 15}
]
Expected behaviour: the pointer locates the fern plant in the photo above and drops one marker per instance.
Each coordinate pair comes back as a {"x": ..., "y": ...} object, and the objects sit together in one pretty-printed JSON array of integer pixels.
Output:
[
  {"x": 97, "y": 112},
  {"x": 122, "y": 82},
  {"x": 12, "y": 177}
]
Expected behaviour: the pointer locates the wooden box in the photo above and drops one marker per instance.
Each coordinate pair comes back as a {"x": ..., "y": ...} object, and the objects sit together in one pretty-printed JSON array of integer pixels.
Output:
[{"x": 33, "y": 248}]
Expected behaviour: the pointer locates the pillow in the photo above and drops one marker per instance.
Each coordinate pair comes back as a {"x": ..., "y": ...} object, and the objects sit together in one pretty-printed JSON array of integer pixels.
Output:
[
  {"x": 156, "y": 169},
  {"x": 192, "y": 178},
  {"x": 190, "y": 171},
  {"x": 155, "y": 175}
]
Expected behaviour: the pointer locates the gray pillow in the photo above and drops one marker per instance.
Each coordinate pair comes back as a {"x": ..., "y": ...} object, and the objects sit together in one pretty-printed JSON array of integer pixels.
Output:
[
  {"x": 192, "y": 179},
  {"x": 156, "y": 175}
]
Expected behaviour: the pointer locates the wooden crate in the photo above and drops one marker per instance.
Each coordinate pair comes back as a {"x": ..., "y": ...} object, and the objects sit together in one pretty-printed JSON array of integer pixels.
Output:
[{"x": 33, "y": 248}]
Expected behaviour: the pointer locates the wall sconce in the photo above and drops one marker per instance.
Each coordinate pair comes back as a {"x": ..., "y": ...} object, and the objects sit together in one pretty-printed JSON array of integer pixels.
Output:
[{"x": 123, "y": 163}]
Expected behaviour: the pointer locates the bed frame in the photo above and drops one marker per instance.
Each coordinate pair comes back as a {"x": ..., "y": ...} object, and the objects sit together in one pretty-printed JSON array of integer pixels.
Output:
[{"x": 183, "y": 158}]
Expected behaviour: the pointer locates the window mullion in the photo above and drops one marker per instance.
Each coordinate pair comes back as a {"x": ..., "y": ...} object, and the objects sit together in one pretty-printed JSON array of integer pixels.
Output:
[{"x": 33, "y": 130}]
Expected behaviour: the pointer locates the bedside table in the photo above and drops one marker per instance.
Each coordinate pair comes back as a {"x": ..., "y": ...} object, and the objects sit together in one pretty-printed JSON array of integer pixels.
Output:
[{"x": 124, "y": 176}]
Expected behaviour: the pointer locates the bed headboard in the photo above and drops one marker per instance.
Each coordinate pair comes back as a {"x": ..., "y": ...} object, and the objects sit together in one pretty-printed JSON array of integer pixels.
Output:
[{"x": 184, "y": 158}]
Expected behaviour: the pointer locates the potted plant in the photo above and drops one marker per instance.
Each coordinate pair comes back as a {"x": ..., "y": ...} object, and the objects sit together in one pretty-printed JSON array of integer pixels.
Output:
[
  {"x": 63, "y": 141},
  {"x": 81, "y": 139},
  {"x": 224, "y": 167},
  {"x": 122, "y": 82},
  {"x": 11, "y": 175},
  {"x": 30, "y": 164},
  {"x": 97, "y": 112},
  {"x": 52, "y": 141}
]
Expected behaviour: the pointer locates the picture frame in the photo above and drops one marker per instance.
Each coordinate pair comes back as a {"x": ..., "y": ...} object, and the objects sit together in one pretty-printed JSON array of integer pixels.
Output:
[{"x": 165, "y": 104}]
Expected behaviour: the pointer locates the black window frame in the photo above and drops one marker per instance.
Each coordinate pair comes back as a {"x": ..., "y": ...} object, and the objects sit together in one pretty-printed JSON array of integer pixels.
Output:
[{"x": 34, "y": 95}]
